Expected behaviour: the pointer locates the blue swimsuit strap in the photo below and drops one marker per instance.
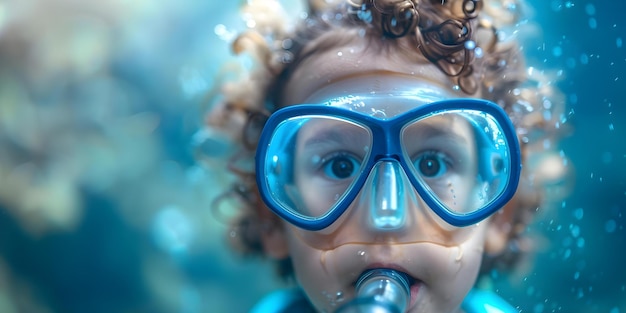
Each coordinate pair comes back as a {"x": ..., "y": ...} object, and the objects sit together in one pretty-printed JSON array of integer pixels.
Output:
[
  {"x": 484, "y": 301},
  {"x": 477, "y": 301},
  {"x": 283, "y": 301}
]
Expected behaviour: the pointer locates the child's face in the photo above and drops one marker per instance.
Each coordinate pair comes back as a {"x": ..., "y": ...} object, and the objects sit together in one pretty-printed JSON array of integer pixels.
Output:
[{"x": 443, "y": 260}]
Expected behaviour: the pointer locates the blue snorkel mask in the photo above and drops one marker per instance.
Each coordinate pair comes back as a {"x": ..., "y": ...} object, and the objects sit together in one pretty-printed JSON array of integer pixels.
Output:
[{"x": 454, "y": 161}]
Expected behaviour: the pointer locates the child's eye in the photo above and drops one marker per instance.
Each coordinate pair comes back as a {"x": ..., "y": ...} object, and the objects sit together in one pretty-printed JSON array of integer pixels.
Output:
[
  {"x": 341, "y": 166},
  {"x": 431, "y": 164}
]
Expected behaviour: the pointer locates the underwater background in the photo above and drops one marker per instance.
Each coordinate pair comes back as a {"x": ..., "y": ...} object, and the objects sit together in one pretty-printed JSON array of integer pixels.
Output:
[{"x": 105, "y": 208}]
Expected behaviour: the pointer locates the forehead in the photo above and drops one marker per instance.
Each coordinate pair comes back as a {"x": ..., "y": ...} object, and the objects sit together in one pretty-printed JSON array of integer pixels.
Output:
[{"x": 359, "y": 66}]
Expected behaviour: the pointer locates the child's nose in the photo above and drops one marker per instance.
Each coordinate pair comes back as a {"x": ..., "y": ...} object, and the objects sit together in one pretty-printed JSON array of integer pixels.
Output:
[{"x": 388, "y": 198}]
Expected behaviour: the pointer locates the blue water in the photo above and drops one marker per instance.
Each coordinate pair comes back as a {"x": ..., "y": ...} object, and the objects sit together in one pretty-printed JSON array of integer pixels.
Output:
[
  {"x": 123, "y": 256},
  {"x": 582, "y": 270}
]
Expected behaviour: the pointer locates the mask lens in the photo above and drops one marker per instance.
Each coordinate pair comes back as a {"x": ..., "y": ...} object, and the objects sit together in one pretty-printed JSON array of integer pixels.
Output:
[
  {"x": 313, "y": 161},
  {"x": 460, "y": 157}
]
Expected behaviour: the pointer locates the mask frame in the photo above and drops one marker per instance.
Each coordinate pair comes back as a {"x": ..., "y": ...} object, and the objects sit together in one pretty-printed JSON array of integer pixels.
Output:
[{"x": 387, "y": 146}]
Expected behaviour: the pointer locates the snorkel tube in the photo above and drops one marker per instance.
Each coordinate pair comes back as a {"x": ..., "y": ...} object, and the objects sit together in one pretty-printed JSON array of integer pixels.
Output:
[{"x": 380, "y": 290}]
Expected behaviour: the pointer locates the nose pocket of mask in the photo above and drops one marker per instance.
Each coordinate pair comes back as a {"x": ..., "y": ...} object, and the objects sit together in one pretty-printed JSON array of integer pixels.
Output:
[{"x": 384, "y": 196}]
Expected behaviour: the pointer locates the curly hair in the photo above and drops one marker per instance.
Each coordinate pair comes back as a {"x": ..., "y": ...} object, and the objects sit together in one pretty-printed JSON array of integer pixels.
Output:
[{"x": 462, "y": 38}]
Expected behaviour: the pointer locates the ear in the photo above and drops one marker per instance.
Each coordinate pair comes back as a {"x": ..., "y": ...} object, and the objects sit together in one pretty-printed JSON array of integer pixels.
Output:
[
  {"x": 499, "y": 228},
  {"x": 274, "y": 241}
]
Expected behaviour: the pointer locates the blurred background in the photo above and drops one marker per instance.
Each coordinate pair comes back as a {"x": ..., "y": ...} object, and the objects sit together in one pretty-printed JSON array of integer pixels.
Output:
[{"x": 103, "y": 207}]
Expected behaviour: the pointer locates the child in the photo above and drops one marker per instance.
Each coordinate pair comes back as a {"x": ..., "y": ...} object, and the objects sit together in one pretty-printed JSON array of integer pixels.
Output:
[{"x": 392, "y": 140}]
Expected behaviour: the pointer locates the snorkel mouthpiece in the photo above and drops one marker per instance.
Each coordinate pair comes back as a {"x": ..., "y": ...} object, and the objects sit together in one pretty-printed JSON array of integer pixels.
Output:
[{"x": 380, "y": 290}]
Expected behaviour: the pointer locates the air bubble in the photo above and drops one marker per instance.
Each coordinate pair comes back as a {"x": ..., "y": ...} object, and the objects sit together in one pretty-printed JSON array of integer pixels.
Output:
[
  {"x": 512, "y": 7},
  {"x": 578, "y": 213},
  {"x": 365, "y": 16},
  {"x": 173, "y": 230},
  {"x": 580, "y": 242},
  {"x": 547, "y": 104},
  {"x": 286, "y": 57},
  {"x": 610, "y": 226},
  {"x": 556, "y": 5},
  {"x": 584, "y": 59},
  {"x": 567, "y": 254},
  {"x": 339, "y": 296},
  {"x": 575, "y": 230},
  {"x": 593, "y": 24},
  {"x": 325, "y": 294},
  {"x": 618, "y": 42},
  {"x": 478, "y": 52},
  {"x": 378, "y": 113},
  {"x": 287, "y": 44}
]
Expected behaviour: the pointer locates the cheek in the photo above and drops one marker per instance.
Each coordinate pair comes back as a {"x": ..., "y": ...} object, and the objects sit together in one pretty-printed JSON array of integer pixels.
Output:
[
  {"x": 469, "y": 257},
  {"x": 456, "y": 273},
  {"x": 449, "y": 272},
  {"x": 312, "y": 274}
]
